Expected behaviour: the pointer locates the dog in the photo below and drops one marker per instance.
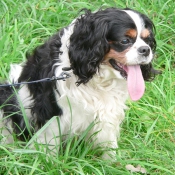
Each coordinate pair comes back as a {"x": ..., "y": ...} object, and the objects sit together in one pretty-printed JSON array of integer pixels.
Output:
[{"x": 107, "y": 54}]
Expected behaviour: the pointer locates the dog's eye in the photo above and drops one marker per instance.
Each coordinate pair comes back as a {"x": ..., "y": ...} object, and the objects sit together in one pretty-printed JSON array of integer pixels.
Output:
[
  {"x": 125, "y": 41},
  {"x": 147, "y": 40}
]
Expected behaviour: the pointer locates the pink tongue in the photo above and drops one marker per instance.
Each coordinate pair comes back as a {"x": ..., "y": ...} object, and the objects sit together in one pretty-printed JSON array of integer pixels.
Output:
[{"x": 135, "y": 81}]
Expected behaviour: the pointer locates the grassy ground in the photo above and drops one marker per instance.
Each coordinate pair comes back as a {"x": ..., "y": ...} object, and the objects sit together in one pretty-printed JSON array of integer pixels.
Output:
[{"x": 148, "y": 132}]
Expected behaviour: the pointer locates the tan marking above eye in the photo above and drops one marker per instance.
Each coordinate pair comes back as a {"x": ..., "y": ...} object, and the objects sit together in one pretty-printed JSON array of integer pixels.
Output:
[
  {"x": 145, "y": 33},
  {"x": 131, "y": 33}
]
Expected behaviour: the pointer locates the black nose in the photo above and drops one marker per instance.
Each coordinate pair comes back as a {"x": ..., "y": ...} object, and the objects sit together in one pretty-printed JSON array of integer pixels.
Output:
[{"x": 144, "y": 50}]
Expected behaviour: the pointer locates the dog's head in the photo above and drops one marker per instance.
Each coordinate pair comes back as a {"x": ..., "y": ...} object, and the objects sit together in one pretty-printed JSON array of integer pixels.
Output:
[{"x": 121, "y": 39}]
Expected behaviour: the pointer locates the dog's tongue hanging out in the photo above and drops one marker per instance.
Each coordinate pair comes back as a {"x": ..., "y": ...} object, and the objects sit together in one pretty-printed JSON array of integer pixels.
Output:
[{"x": 135, "y": 82}]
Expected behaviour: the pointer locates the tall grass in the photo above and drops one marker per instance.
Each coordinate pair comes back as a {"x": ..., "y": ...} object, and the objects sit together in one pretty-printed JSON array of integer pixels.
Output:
[{"x": 148, "y": 132}]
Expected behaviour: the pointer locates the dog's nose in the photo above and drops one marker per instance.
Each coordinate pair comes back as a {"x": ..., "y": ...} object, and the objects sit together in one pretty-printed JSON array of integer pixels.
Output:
[{"x": 143, "y": 50}]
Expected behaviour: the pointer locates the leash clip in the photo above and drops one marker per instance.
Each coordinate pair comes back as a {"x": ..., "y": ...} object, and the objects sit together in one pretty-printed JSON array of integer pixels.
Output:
[{"x": 63, "y": 76}]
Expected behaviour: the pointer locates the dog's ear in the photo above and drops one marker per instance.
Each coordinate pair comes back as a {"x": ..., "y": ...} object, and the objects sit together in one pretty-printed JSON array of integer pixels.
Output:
[
  {"x": 149, "y": 72},
  {"x": 88, "y": 45}
]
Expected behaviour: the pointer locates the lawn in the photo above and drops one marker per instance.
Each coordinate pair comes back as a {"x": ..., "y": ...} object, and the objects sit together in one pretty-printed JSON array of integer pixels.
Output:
[{"x": 148, "y": 132}]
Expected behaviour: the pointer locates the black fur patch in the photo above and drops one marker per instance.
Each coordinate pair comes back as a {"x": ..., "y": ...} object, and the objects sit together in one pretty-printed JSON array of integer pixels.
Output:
[{"x": 39, "y": 65}]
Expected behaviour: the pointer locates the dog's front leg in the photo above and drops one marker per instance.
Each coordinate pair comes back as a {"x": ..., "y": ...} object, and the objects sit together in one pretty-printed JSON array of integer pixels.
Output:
[{"x": 106, "y": 138}]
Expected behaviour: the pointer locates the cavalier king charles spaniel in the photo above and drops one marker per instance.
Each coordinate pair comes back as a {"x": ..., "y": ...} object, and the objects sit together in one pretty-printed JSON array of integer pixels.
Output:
[{"x": 108, "y": 56}]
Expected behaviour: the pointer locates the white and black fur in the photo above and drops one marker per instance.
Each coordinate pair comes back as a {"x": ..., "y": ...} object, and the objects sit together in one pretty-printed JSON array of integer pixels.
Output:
[{"x": 96, "y": 90}]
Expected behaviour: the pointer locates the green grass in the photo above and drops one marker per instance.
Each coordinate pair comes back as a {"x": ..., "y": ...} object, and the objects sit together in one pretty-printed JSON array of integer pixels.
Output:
[{"x": 148, "y": 132}]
